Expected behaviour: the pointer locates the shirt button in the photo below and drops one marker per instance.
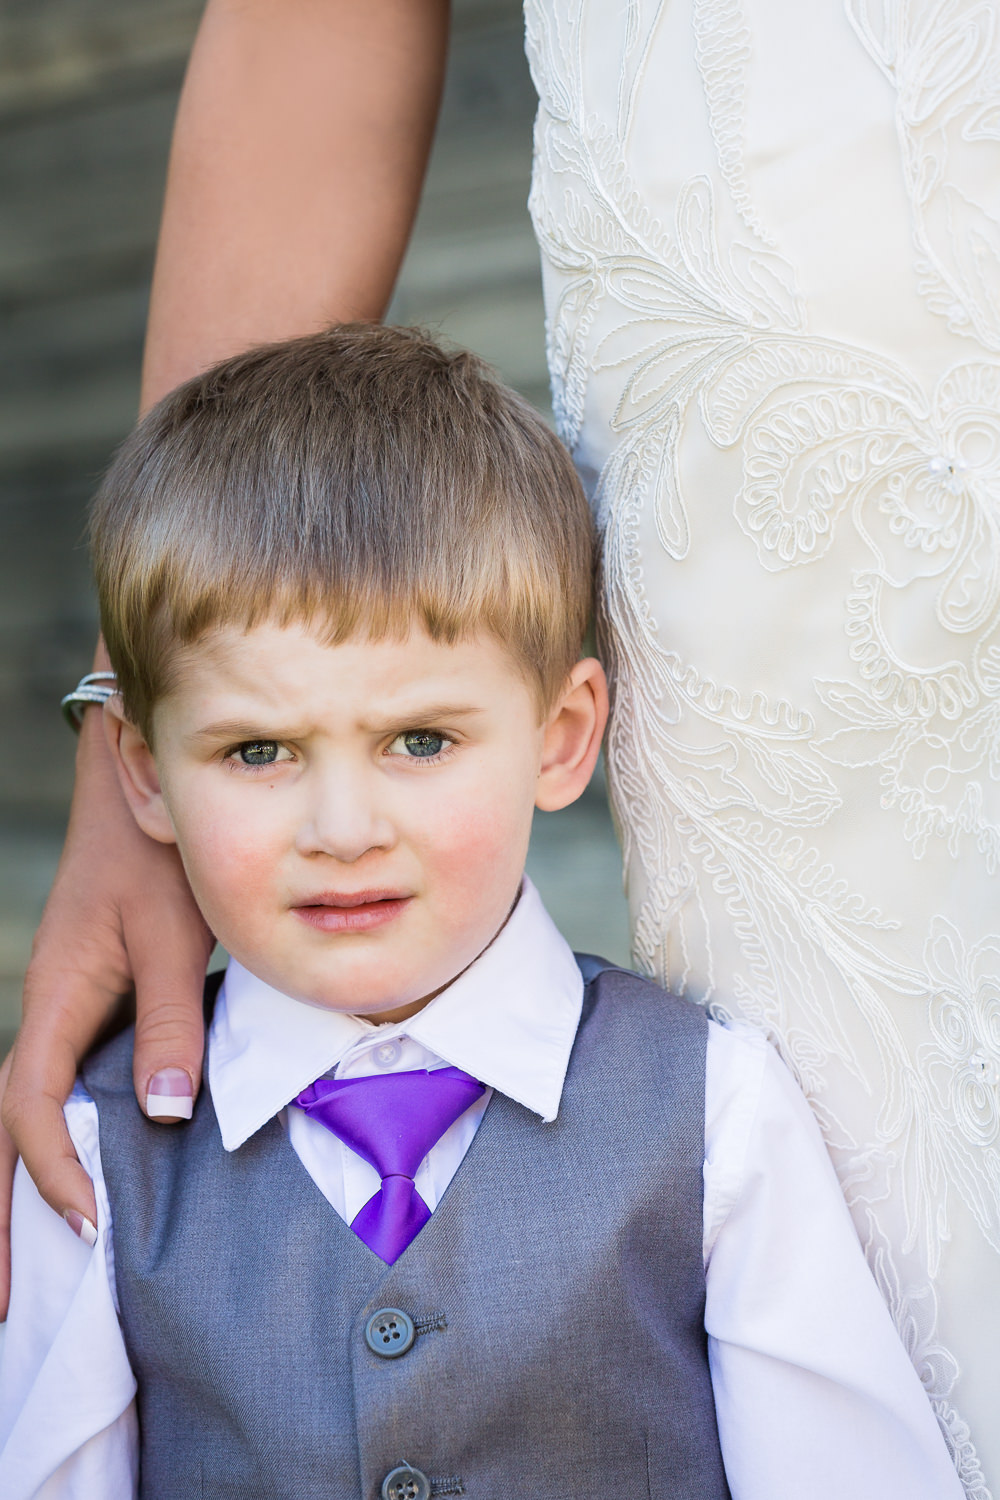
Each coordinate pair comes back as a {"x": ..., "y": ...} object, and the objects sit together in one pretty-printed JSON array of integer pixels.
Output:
[
  {"x": 389, "y": 1333},
  {"x": 386, "y": 1054},
  {"x": 404, "y": 1483}
]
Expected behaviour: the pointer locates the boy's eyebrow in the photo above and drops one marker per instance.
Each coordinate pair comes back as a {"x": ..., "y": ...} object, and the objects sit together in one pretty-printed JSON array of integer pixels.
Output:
[
  {"x": 424, "y": 713},
  {"x": 228, "y": 729}
]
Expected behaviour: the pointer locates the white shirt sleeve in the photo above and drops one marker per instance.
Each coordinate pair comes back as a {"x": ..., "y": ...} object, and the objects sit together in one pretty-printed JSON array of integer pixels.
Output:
[
  {"x": 68, "y": 1427},
  {"x": 814, "y": 1392}
]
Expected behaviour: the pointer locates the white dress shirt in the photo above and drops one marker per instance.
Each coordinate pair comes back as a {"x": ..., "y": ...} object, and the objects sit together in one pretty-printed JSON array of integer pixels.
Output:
[{"x": 814, "y": 1393}]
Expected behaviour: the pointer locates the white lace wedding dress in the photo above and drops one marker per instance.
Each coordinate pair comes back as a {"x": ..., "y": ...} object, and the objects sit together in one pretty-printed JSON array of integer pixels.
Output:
[{"x": 771, "y": 248}]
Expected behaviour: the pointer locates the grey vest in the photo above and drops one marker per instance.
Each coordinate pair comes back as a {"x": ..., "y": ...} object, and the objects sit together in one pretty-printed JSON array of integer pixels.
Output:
[{"x": 557, "y": 1291}]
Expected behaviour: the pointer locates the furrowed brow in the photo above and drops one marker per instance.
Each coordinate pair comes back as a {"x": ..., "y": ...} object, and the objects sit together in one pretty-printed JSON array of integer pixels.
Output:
[
  {"x": 234, "y": 730},
  {"x": 240, "y": 729},
  {"x": 421, "y": 714}
]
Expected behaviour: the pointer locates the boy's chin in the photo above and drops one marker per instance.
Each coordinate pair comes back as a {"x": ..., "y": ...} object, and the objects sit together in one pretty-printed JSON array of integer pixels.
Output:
[
  {"x": 378, "y": 1001},
  {"x": 363, "y": 976},
  {"x": 378, "y": 1009}
]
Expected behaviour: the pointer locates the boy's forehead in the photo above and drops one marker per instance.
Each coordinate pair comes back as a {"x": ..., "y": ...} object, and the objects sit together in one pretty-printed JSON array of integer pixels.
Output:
[{"x": 283, "y": 663}]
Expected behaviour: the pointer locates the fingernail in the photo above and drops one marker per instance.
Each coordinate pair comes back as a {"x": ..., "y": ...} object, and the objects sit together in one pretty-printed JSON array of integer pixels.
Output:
[
  {"x": 170, "y": 1095},
  {"x": 81, "y": 1227}
]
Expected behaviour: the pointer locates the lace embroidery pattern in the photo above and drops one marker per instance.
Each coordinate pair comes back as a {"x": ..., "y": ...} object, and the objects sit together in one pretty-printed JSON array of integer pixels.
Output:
[
  {"x": 848, "y": 469},
  {"x": 942, "y": 64}
]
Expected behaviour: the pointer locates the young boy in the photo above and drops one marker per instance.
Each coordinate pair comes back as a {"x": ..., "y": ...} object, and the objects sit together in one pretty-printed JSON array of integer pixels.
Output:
[{"x": 456, "y": 1214}]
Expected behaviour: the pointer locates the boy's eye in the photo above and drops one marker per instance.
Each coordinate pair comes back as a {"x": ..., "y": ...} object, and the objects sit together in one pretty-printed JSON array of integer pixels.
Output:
[
  {"x": 418, "y": 743},
  {"x": 259, "y": 752}
]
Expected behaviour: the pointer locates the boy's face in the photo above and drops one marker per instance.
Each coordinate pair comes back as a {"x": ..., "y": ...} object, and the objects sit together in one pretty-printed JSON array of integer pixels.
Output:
[{"x": 354, "y": 819}]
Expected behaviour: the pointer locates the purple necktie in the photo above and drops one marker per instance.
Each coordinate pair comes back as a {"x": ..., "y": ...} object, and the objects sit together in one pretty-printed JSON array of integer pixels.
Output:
[{"x": 391, "y": 1120}]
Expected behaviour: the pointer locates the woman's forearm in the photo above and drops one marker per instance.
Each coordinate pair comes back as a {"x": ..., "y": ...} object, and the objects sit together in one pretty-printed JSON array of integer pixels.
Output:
[{"x": 299, "y": 151}]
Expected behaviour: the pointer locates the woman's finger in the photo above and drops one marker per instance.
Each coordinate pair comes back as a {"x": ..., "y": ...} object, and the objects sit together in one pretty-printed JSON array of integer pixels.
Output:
[
  {"x": 41, "y": 1072},
  {"x": 169, "y": 947}
]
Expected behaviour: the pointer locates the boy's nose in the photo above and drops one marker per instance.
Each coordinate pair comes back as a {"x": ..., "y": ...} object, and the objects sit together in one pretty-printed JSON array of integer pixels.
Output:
[{"x": 343, "y": 821}]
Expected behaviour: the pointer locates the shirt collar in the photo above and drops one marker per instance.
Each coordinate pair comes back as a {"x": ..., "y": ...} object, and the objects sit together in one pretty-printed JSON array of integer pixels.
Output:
[{"x": 510, "y": 1020}]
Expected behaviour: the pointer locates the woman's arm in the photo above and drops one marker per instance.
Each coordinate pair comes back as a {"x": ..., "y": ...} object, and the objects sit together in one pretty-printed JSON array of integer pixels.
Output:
[{"x": 299, "y": 152}]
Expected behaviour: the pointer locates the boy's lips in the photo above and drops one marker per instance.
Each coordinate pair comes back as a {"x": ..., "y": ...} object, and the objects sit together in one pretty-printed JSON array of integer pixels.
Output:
[{"x": 351, "y": 911}]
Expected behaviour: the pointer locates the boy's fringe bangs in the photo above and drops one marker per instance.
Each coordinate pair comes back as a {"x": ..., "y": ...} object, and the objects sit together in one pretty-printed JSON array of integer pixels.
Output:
[
  {"x": 181, "y": 599},
  {"x": 354, "y": 482}
]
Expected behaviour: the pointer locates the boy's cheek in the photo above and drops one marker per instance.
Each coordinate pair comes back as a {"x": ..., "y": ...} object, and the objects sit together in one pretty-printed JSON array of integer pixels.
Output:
[
  {"x": 230, "y": 868},
  {"x": 478, "y": 853},
  {"x": 478, "y": 831}
]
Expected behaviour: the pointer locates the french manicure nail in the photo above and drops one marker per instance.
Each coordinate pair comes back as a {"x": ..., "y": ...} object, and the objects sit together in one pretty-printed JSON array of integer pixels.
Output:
[
  {"x": 81, "y": 1227},
  {"x": 170, "y": 1095}
]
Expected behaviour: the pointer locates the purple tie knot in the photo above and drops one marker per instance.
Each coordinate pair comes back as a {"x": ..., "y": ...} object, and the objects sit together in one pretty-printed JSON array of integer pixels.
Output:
[{"x": 391, "y": 1120}]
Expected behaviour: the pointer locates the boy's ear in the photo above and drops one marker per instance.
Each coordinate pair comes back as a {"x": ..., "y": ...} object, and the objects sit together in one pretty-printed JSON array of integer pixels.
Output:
[
  {"x": 137, "y": 774},
  {"x": 573, "y": 734}
]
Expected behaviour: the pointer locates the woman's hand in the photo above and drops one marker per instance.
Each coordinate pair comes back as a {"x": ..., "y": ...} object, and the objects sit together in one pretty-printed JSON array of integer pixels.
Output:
[{"x": 120, "y": 917}]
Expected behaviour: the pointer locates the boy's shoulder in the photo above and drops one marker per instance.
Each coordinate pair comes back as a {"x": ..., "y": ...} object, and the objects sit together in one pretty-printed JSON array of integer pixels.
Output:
[
  {"x": 627, "y": 1014},
  {"x": 605, "y": 979},
  {"x": 741, "y": 1049},
  {"x": 108, "y": 1067}
]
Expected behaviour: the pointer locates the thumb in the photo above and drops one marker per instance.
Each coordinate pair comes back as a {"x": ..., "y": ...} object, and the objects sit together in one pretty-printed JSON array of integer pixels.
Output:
[{"x": 169, "y": 1035}]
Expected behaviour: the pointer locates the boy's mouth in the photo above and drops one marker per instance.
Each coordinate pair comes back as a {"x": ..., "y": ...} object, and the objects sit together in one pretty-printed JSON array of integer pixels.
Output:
[{"x": 351, "y": 911}]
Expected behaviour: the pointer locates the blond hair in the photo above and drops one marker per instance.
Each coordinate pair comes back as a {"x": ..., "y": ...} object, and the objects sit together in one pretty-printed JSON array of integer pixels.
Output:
[{"x": 363, "y": 479}]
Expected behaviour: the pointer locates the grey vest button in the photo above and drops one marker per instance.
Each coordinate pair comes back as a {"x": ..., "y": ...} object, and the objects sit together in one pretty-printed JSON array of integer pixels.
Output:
[
  {"x": 389, "y": 1333},
  {"x": 404, "y": 1483}
]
